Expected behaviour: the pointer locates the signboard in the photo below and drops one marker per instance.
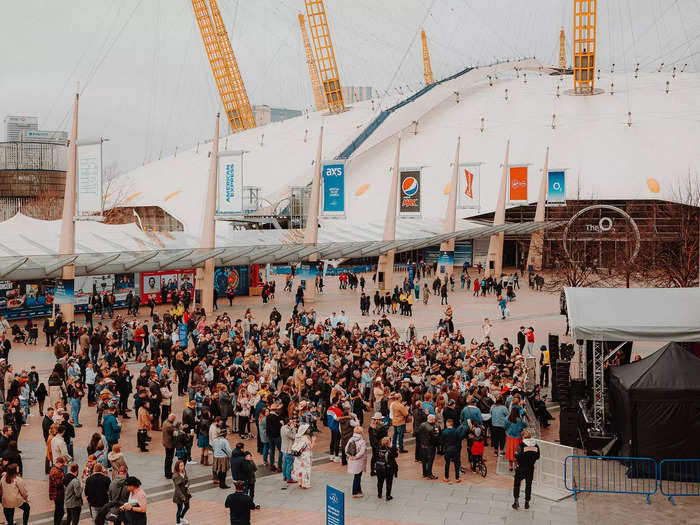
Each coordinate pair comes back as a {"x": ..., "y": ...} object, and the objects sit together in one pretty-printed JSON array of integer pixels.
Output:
[
  {"x": 182, "y": 334},
  {"x": 236, "y": 278},
  {"x": 469, "y": 189},
  {"x": 556, "y": 187},
  {"x": 333, "y": 176},
  {"x": 119, "y": 284},
  {"x": 229, "y": 192},
  {"x": 517, "y": 184},
  {"x": 335, "y": 506},
  {"x": 409, "y": 190},
  {"x": 445, "y": 262},
  {"x": 165, "y": 285},
  {"x": 63, "y": 292},
  {"x": 89, "y": 167}
]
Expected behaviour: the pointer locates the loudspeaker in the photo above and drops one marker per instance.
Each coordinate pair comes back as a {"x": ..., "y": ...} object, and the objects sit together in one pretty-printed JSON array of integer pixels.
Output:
[
  {"x": 380, "y": 277},
  {"x": 492, "y": 265},
  {"x": 568, "y": 427},
  {"x": 553, "y": 347}
]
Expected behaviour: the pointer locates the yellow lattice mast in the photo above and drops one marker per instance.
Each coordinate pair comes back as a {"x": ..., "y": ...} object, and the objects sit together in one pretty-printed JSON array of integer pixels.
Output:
[
  {"x": 319, "y": 98},
  {"x": 220, "y": 68},
  {"x": 246, "y": 113},
  {"x": 427, "y": 69},
  {"x": 584, "y": 45},
  {"x": 562, "y": 49},
  {"x": 325, "y": 57}
]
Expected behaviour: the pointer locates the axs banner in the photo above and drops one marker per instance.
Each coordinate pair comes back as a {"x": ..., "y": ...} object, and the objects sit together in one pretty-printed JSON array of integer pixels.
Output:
[{"x": 409, "y": 193}]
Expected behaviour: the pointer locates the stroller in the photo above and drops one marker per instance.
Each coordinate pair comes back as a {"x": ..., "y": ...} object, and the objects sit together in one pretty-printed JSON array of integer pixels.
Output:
[{"x": 18, "y": 334}]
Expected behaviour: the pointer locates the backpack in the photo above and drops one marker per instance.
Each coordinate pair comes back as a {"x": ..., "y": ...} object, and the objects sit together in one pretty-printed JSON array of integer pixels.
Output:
[
  {"x": 351, "y": 449},
  {"x": 382, "y": 463}
]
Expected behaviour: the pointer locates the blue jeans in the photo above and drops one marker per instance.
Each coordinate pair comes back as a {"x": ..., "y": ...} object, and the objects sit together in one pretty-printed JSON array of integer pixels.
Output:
[
  {"x": 276, "y": 443},
  {"x": 24, "y": 407},
  {"x": 398, "y": 436},
  {"x": 182, "y": 509},
  {"x": 356, "y": 486},
  {"x": 265, "y": 451},
  {"x": 75, "y": 410},
  {"x": 287, "y": 464}
]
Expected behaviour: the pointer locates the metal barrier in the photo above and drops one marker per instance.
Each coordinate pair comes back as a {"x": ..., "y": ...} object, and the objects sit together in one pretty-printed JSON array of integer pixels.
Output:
[
  {"x": 679, "y": 477},
  {"x": 615, "y": 475}
]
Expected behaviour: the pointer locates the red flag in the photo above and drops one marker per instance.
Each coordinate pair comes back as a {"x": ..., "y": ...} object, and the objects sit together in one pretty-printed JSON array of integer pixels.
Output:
[{"x": 468, "y": 187}]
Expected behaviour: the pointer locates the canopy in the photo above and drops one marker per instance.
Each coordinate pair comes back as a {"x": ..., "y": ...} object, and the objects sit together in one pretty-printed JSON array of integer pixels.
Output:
[
  {"x": 657, "y": 404},
  {"x": 634, "y": 314}
]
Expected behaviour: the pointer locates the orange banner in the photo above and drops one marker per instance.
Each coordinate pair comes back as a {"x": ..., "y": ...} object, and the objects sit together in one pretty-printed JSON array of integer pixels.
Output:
[{"x": 518, "y": 183}]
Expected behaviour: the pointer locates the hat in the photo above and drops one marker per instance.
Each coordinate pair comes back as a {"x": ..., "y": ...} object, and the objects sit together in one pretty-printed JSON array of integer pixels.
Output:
[
  {"x": 377, "y": 415},
  {"x": 543, "y": 347},
  {"x": 302, "y": 429}
]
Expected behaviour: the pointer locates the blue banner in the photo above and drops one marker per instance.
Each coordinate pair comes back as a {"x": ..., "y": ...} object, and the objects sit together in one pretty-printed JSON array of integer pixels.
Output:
[
  {"x": 63, "y": 292},
  {"x": 445, "y": 262},
  {"x": 236, "y": 278},
  {"x": 335, "y": 506},
  {"x": 182, "y": 334},
  {"x": 556, "y": 187},
  {"x": 333, "y": 187}
]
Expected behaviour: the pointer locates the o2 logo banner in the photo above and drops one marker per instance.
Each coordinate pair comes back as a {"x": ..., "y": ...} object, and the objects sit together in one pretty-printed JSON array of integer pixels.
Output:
[
  {"x": 333, "y": 187},
  {"x": 409, "y": 192}
]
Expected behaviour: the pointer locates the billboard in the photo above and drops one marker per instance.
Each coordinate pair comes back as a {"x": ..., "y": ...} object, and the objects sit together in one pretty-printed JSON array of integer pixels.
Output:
[
  {"x": 556, "y": 187},
  {"x": 409, "y": 190},
  {"x": 517, "y": 184},
  {"x": 19, "y": 299},
  {"x": 229, "y": 192},
  {"x": 89, "y": 178},
  {"x": 333, "y": 176},
  {"x": 120, "y": 284},
  {"x": 63, "y": 292},
  {"x": 236, "y": 278},
  {"x": 163, "y": 286},
  {"x": 445, "y": 262},
  {"x": 468, "y": 195}
]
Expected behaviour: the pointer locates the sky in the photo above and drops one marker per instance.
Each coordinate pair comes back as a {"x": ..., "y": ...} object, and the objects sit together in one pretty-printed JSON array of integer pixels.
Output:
[{"x": 146, "y": 84}]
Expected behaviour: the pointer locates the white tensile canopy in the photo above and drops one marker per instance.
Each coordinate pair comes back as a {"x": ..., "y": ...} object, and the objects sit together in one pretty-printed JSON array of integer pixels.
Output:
[{"x": 634, "y": 314}]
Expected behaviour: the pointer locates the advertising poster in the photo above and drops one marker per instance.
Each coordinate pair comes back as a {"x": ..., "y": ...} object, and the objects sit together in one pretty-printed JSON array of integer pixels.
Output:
[
  {"x": 469, "y": 185},
  {"x": 445, "y": 262},
  {"x": 236, "y": 278},
  {"x": 333, "y": 177},
  {"x": 556, "y": 187},
  {"x": 119, "y": 284},
  {"x": 89, "y": 167},
  {"x": 20, "y": 299},
  {"x": 335, "y": 506},
  {"x": 409, "y": 191},
  {"x": 63, "y": 292},
  {"x": 229, "y": 198},
  {"x": 162, "y": 286},
  {"x": 517, "y": 184}
]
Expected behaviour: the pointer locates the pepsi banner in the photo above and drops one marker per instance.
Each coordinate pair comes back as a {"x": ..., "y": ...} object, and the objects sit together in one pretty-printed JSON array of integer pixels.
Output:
[
  {"x": 556, "y": 187},
  {"x": 469, "y": 185},
  {"x": 409, "y": 192},
  {"x": 333, "y": 174}
]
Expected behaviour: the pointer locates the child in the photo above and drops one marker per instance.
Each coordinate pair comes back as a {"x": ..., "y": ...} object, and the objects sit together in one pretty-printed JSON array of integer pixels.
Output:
[{"x": 477, "y": 448}]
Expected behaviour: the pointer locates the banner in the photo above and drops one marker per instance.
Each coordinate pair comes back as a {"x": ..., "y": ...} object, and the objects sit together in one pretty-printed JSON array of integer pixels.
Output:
[
  {"x": 333, "y": 176},
  {"x": 164, "y": 286},
  {"x": 229, "y": 193},
  {"x": 182, "y": 334},
  {"x": 556, "y": 187},
  {"x": 409, "y": 192},
  {"x": 231, "y": 278},
  {"x": 63, "y": 292},
  {"x": 445, "y": 262},
  {"x": 89, "y": 179},
  {"x": 517, "y": 184},
  {"x": 468, "y": 195},
  {"x": 335, "y": 506}
]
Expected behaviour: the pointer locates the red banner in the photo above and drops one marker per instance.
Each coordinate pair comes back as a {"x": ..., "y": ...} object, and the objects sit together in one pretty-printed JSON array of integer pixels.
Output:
[
  {"x": 163, "y": 285},
  {"x": 518, "y": 184}
]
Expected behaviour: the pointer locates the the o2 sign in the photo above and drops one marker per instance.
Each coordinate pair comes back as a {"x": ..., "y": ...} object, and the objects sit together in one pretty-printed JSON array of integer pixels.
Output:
[{"x": 604, "y": 225}]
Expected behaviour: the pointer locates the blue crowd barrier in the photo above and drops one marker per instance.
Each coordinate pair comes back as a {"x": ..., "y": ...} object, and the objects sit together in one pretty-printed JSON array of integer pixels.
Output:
[
  {"x": 679, "y": 477},
  {"x": 611, "y": 474}
]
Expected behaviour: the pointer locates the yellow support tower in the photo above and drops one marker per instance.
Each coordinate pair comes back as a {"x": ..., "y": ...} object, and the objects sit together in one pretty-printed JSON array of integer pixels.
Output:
[
  {"x": 244, "y": 110},
  {"x": 325, "y": 57},
  {"x": 584, "y": 45},
  {"x": 562, "y": 49},
  {"x": 319, "y": 99},
  {"x": 427, "y": 68}
]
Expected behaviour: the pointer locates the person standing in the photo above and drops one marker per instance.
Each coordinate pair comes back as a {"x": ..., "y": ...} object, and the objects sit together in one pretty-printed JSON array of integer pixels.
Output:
[
  {"x": 530, "y": 336},
  {"x": 452, "y": 441},
  {"x": 222, "y": 452},
  {"x": 527, "y": 454},
  {"x": 14, "y": 495},
  {"x": 544, "y": 366},
  {"x": 303, "y": 456},
  {"x": 356, "y": 452},
  {"x": 239, "y": 505},
  {"x": 514, "y": 428},
  {"x": 499, "y": 416},
  {"x": 181, "y": 495},
  {"x": 56, "y": 490},
  {"x": 135, "y": 507},
  {"x": 287, "y": 433},
  {"x": 377, "y": 431},
  {"x": 97, "y": 490},
  {"x": 73, "y": 492},
  {"x": 399, "y": 416},
  {"x": 169, "y": 444},
  {"x": 427, "y": 435},
  {"x": 386, "y": 467}
]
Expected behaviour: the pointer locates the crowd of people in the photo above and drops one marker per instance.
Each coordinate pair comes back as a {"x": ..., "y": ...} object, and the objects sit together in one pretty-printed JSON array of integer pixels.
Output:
[{"x": 274, "y": 384}]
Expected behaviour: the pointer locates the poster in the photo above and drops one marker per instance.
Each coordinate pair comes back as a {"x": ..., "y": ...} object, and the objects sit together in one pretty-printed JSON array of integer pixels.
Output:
[
  {"x": 89, "y": 178},
  {"x": 229, "y": 192},
  {"x": 409, "y": 192},
  {"x": 468, "y": 195},
  {"x": 119, "y": 284},
  {"x": 517, "y": 184},
  {"x": 335, "y": 506},
  {"x": 162, "y": 286},
  {"x": 333, "y": 177},
  {"x": 556, "y": 187},
  {"x": 63, "y": 292},
  {"x": 20, "y": 299},
  {"x": 445, "y": 262},
  {"x": 236, "y": 278}
]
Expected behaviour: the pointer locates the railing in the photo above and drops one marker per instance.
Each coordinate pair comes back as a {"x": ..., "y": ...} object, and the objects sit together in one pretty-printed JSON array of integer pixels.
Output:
[
  {"x": 679, "y": 477},
  {"x": 614, "y": 475}
]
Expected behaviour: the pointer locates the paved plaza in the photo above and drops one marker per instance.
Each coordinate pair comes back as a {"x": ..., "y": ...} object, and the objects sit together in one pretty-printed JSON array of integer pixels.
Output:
[{"x": 475, "y": 501}]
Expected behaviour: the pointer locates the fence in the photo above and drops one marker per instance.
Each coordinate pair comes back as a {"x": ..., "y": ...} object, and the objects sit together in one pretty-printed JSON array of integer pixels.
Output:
[
  {"x": 679, "y": 477},
  {"x": 614, "y": 475}
]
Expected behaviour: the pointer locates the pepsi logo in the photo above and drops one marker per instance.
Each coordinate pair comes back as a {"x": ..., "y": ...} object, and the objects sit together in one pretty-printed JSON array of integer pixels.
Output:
[{"x": 409, "y": 186}]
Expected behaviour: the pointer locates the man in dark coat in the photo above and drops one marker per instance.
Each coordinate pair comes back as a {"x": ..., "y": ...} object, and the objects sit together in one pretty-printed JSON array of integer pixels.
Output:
[{"x": 428, "y": 437}]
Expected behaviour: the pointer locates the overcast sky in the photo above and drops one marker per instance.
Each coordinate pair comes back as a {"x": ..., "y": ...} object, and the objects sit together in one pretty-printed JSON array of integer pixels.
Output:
[{"x": 147, "y": 85}]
